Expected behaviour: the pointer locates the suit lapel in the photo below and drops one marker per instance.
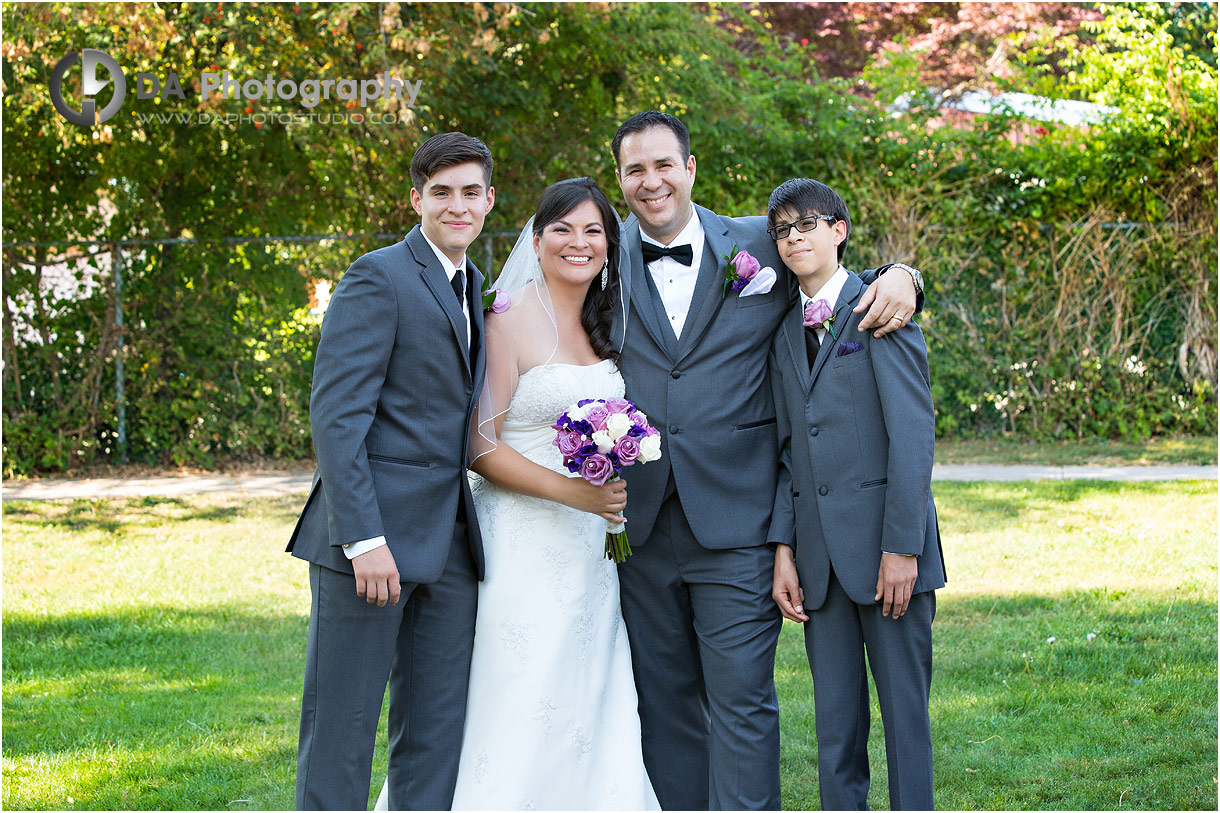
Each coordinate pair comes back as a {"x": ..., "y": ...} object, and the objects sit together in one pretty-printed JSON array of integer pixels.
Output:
[
  {"x": 437, "y": 280},
  {"x": 643, "y": 291},
  {"x": 847, "y": 299},
  {"x": 709, "y": 288},
  {"x": 794, "y": 335}
]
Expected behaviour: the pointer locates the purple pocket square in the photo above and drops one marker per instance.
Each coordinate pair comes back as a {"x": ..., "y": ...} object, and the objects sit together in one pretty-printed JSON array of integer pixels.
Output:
[{"x": 847, "y": 348}]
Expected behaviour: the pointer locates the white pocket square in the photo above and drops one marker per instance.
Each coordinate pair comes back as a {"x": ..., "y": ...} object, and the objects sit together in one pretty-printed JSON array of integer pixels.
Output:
[{"x": 762, "y": 282}]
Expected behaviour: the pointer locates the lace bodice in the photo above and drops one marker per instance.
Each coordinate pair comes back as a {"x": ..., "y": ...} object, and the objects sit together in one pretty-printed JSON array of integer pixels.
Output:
[{"x": 542, "y": 394}]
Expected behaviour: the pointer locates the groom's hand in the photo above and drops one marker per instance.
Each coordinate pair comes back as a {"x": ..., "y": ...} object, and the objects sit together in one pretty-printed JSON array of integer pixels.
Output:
[
  {"x": 890, "y": 301},
  {"x": 895, "y": 582},
  {"x": 377, "y": 576},
  {"x": 786, "y": 585}
]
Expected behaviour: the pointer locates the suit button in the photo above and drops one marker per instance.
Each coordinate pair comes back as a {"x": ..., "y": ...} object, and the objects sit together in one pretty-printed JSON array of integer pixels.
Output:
[
  {"x": 813, "y": 431},
  {"x": 673, "y": 429},
  {"x": 822, "y": 490},
  {"x": 676, "y": 374}
]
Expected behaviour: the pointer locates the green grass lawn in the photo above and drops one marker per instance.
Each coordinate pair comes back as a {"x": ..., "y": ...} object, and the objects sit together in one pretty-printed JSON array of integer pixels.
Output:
[
  {"x": 1185, "y": 450},
  {"x": 153, "y": 652}
]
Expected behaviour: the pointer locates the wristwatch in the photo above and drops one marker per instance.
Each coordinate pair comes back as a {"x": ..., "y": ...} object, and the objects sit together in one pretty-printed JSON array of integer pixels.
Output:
[{"x": 916, "y": 277}]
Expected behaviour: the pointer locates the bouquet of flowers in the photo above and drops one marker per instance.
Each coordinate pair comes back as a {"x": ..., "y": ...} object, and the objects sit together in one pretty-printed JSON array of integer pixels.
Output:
[{"x": 598, "y": 439}]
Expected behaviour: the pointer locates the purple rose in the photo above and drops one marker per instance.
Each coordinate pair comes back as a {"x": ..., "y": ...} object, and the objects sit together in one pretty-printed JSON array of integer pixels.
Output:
[
  {"x": 619, "y": 406},
  {"x": 597, "y": 469},
  {"x": 639, "y": 419},
  {"x": 746, "y": 266},
  {"x": 817, "y": 313},
  {"x": 569, "y": 442},
  {"x": 628, "y": 449},
  {"x": 501, "y": 302},
  {"x": 597, "y": 415}
]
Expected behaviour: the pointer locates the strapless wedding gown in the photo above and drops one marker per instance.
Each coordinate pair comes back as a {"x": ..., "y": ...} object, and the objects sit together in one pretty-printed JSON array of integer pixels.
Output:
[{"x": 551, "y": 714}]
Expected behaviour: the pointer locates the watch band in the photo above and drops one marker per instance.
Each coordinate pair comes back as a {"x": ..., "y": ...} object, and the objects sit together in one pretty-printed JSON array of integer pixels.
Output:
[{"x": 916, "y": 277}]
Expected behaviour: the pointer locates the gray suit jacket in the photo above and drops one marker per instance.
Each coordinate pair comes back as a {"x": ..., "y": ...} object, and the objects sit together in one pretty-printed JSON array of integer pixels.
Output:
[
  {"x": 856, "y": 443},
  {"x": 393, "y": 393},
  {"x": 708, "y": 396}
]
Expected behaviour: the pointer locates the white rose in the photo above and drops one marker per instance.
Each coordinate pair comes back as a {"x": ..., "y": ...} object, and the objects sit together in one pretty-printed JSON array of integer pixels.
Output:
[
  {"x": 617, "y": 425},
  {"x": 650, "y": 448},
  {"x": 577, "y": 413},
  {"x": 604, "y": 442}
]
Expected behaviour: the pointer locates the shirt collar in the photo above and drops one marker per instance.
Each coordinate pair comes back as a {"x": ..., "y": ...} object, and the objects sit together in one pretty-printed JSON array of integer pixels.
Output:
[
  {"x": 830, "y": 289},
  {"x": 691, "y": 233},
  {"x": 446, "y": 263}
]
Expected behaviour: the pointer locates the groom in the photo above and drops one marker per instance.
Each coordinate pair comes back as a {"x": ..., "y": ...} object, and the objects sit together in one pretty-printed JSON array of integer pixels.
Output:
[
  {"x": 696, "y": 594},
  {"x": 389, "y": 528}
]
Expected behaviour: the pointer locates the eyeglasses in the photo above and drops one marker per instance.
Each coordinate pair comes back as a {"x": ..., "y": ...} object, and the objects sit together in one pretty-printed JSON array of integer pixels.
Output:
[{"x": 807, "y": 223}]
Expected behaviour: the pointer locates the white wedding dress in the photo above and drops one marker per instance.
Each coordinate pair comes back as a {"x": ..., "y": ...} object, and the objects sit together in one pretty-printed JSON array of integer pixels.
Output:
[{"x": 551, "y": 716}]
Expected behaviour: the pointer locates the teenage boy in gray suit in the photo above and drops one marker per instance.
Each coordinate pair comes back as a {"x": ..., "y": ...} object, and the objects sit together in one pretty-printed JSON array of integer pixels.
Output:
[
  {"x": 389, "y": 529},
  {"x": 858, "y": 548},
  {"x": 696, "y": 594}
]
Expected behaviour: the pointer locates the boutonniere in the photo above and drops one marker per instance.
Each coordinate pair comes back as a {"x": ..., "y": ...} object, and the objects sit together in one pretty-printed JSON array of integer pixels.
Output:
[
  {"x": 745, "y": 274},
  {"x": 819, "y": 314},
  {"x": 494, "y": 299}
]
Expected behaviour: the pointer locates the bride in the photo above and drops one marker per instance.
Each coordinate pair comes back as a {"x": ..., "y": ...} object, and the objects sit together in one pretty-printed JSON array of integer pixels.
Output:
[{"x": 551, "y": 718}]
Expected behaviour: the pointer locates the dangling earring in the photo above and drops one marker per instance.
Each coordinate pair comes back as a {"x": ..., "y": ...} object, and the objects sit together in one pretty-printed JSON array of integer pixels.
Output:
[{"x": 605, "y": 273}]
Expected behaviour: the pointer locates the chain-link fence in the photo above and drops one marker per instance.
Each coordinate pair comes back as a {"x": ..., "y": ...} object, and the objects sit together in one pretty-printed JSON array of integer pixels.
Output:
[{"x": 180, "y": 350}]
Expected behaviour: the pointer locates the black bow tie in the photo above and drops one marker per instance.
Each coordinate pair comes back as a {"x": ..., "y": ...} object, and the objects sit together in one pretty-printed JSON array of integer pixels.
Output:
[{"x": 684, "y": 254}]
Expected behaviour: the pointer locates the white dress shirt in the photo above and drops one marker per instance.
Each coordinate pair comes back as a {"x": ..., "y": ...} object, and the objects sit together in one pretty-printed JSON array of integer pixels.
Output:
[
  {"x": 450, "y": 270},
  {"x": 354, "y": 549},
  {"x": 676, "y": 282}
]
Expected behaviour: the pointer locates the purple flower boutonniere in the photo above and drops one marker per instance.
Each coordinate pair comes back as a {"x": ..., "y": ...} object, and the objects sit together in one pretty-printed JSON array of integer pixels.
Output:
[
  {"x": 740, "y": 269},
  {"x": 819, "y": 314},
  {"x": 495, "y": 300}
]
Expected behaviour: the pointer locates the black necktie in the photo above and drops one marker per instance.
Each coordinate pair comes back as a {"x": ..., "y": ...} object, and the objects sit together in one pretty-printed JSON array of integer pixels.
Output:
[
  {"x": 459, "y": 285},
  {"x": 812, "y": 345},
  {"x": 684, "y": 254}
]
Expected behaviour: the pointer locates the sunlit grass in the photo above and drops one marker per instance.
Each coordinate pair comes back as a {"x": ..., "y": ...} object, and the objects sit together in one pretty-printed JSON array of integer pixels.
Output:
[
  {"x": 1125, "y": 719},
  {"x": 1185, "y": 450},
  {"x": 153, "y": 653}
]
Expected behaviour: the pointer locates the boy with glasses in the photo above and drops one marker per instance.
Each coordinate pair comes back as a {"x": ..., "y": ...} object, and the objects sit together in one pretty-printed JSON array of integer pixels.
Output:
[{"x": 859, "y": 556}]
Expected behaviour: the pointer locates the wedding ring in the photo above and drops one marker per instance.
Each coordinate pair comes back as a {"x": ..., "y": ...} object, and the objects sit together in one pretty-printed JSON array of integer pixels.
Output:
[{"x": 899, "y": 318}]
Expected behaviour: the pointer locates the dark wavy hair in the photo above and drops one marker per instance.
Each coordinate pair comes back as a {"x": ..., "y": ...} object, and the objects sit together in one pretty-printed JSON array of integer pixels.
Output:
[{"x": 598, "y": 309}]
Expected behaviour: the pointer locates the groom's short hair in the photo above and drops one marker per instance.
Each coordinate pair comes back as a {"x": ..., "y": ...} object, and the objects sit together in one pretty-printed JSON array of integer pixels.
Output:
[
  {"x": 646, "y": 121},
  {"x": 805, "y": 196},
  {"x": 448, "y": 150}
]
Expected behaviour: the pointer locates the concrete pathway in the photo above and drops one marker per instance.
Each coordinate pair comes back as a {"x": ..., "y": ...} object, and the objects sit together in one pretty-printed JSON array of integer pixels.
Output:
[
  {"x": 269, "y": 484},
  {"x": 1006, "y": 473}
]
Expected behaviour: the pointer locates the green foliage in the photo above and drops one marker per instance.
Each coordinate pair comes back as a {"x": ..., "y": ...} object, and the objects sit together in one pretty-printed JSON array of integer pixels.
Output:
[{"x": 1075, "y": 252}]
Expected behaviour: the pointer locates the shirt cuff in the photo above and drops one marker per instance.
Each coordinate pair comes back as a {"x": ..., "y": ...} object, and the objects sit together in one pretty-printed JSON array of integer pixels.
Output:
[
  {"x": 353, "y": 549},
  {"x": 912, "y": 555}
]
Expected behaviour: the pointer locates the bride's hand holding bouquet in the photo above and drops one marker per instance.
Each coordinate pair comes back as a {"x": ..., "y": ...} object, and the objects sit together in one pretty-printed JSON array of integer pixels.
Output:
[{"x": 598, "y": 439}]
